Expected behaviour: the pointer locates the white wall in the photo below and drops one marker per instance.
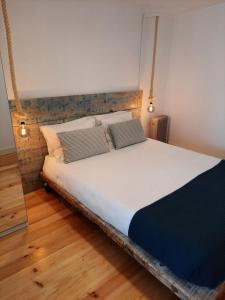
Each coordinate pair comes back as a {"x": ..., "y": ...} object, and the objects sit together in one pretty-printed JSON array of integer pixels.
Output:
[
  {"x": 162, "y": 64},
  {"x": 195, "y": 94},
  {"x": 72, "y": 47},
  {"x": 6, "y": 136}
]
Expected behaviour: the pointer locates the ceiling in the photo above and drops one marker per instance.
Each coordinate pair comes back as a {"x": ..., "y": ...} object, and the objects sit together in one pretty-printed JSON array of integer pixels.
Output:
[{"x": 175, "y": 6}]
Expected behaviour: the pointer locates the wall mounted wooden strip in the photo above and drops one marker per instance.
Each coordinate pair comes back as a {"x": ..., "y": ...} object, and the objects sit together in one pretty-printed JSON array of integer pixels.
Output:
[{"x": 54, "y": 110}]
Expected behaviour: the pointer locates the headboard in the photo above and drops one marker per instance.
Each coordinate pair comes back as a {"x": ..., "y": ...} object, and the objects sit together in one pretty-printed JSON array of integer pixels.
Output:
[{"x": 32, "y": 150}]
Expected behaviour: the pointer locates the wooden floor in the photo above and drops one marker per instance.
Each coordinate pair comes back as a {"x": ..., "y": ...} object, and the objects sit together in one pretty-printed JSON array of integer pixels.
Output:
[{"x": 61, "y": 255}]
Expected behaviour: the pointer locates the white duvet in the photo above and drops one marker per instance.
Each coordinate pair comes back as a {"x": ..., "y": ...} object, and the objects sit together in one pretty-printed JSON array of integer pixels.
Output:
[{"x": 117, "y": 184}]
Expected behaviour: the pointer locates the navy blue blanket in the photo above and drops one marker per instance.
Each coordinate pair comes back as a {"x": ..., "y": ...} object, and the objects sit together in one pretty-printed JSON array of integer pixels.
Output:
[{"x": 186, "y": 229}]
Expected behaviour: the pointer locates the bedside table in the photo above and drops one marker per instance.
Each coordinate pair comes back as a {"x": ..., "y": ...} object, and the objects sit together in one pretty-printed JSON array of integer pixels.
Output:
[{"x": 159, "y": 128}]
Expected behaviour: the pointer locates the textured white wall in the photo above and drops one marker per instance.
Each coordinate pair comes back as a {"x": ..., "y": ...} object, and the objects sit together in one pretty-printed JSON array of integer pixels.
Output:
[
  {"x": 71, "y": 47},
  {"x": 6, "y": 135},
  {"x": 195, "y": 94}
]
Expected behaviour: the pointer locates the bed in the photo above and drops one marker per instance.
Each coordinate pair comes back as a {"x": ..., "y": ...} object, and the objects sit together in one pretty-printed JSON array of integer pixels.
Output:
[
  {"x": 147, "y": 172},
  {"x": 103, "y": 187}
]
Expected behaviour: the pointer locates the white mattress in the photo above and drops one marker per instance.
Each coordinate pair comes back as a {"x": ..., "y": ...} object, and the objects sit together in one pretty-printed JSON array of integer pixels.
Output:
[{"x": 117, "y": 184}]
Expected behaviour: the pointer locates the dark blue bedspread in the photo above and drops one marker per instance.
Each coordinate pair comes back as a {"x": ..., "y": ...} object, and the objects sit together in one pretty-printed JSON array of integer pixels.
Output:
[{"x": 186, "y": 229}]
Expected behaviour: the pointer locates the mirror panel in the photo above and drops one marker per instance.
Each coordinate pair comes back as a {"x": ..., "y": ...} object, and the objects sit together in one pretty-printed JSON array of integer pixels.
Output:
[{"x": 12, "y": 207}]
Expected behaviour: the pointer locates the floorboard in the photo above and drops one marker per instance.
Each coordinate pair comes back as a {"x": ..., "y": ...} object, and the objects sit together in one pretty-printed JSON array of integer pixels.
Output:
[{"x": 61, "y": 255}]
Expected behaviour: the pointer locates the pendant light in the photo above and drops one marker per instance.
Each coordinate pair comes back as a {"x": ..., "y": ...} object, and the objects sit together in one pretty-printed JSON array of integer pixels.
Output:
[
  {"x": 23, "y": 130},
  {"x": 152, "y": 98}
]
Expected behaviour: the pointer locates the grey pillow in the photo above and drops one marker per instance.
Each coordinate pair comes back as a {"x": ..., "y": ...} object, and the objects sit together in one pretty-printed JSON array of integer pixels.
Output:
[
  {"x": 127, "y": 133},
  {"x": 83, "y": 143}
]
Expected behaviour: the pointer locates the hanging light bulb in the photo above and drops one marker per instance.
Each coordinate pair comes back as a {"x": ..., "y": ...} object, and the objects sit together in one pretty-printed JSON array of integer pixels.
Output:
[
  {"x": 23, "y": 130},
  {"x": 151, "y": 107}
]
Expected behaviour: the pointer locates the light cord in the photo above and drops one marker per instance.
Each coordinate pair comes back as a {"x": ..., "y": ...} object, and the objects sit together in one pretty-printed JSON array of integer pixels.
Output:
[
  {"x": 151, "y": 92},
  {"x": 11, "y": 59}
]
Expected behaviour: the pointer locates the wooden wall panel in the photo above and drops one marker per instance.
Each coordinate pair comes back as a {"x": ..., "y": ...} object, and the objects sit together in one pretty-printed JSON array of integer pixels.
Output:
[{"x": 54, "y": 110}]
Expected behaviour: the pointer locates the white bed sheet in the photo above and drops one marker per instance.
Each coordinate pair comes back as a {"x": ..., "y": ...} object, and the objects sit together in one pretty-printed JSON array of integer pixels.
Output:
[{"x": 117, "y": 184}]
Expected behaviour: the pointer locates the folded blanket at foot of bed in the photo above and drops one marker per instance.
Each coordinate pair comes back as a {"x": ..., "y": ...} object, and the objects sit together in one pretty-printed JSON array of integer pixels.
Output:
[{"x": 186, "y": 229}]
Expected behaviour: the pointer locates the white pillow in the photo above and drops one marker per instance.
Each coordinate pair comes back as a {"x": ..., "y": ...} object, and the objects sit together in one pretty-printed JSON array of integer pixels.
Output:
[
  {"x": 112, "y": 118},
  {"x": 50, "y": 131},
  {"x": 59, "y": 155},
  {"x": 125, "y": 114}
]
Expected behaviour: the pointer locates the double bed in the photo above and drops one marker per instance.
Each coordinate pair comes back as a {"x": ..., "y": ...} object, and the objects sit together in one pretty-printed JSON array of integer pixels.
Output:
[{"x": 162, "y": 204}]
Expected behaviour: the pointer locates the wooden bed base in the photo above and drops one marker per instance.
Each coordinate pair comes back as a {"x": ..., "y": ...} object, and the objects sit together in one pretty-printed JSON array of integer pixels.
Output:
[{"x": 183, "y": 289}]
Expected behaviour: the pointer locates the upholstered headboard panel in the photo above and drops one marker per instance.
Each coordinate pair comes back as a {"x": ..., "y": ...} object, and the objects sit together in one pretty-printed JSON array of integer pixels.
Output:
[{"x": 32, "y": 150}]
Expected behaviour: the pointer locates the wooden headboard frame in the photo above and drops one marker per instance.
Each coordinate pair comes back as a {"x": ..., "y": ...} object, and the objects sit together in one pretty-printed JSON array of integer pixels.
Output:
[{"x": 42, "y": 111}]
